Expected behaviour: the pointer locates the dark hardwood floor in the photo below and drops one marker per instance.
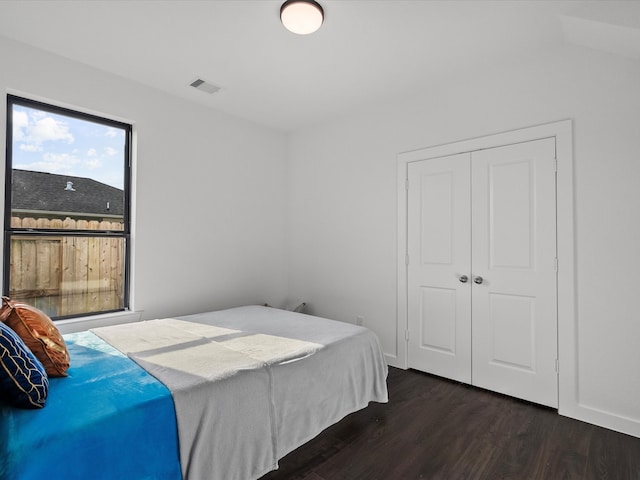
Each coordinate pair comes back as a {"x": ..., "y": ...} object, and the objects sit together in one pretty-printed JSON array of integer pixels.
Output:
[{"x": 433, "y": 428}]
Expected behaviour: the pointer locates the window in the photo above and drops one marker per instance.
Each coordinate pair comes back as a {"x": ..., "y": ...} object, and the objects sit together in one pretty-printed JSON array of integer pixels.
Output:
[{"x": 66, "y": 227}]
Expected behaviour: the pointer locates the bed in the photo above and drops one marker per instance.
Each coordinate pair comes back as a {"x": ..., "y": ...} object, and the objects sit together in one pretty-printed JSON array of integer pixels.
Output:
[{"x": 218, "y": 395}]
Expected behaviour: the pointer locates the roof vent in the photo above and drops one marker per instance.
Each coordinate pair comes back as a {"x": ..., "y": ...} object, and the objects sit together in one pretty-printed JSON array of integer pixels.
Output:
[
  {"x": 204, "y": 86},
  {"x": 69, "y": 187}
]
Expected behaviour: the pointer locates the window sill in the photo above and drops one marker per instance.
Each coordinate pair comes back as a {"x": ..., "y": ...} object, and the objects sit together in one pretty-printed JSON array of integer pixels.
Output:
[{"x": 85, "y": 323}]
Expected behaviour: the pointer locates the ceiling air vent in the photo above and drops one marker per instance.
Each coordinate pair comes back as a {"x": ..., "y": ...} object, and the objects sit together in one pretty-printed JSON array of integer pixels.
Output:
[{"x": 204, "y": 86}]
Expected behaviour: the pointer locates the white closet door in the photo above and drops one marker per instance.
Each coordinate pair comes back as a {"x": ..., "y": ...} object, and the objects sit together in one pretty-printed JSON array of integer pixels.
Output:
[
  {"x": 514, "y": 326},
  {"x": 439, "y": 307}
]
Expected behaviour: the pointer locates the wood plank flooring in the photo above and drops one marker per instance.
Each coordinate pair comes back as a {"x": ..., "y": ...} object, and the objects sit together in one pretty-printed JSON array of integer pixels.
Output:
[{"x": 434, "y": 428}]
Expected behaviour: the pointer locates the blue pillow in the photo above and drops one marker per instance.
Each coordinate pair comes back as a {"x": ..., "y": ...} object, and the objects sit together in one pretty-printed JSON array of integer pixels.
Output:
[{"x": 23, "y": 380}]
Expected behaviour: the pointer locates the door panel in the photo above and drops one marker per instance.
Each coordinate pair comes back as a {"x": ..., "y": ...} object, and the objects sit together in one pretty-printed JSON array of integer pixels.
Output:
[
  {"x": 438, "y": 320},
  {"x": 514, "y": 326},
  {"x": 439, "y": 307},
  {"x": 511, "y": 320},
  {"x": 437, "y": 190},
  {"x": 510, "y": 209}
]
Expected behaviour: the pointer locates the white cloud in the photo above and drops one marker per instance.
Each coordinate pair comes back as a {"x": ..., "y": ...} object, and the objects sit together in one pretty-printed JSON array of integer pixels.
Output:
[
  {"x": 111, "y": 132},
  {"x": 92, "y": 164},
  {"x": 110, "y": 151},
  {"x": 31, "y": 130},
  {"x": 20, "y": 122},
  {"x": 53, "y": 162},
  {"x": 92, "y": 152},
  {"x": 30, "y": 147},
  {"x": 48, "y": 129}
]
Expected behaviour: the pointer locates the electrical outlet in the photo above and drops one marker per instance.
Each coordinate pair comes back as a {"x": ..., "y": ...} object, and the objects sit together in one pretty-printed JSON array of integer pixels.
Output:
[{"x": 359, "y": 320}]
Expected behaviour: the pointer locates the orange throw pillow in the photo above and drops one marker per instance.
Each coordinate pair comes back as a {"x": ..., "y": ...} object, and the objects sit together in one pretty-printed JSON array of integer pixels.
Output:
[{"x": 39, "y": 333}]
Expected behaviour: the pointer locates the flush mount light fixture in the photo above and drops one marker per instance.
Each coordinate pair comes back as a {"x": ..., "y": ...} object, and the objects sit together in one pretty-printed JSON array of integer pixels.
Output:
[{"x": 301, "y": 16}]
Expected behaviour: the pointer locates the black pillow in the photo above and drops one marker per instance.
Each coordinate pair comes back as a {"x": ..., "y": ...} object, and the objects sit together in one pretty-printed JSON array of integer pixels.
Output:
[{"x": 23, "y": 380}]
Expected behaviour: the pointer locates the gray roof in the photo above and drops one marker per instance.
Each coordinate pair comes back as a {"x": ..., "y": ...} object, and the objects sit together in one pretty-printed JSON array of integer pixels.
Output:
[{"x": 64, "y": 194}]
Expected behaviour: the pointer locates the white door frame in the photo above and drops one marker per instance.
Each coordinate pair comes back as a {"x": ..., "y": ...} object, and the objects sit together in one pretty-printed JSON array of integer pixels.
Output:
[{"x": 567, "y": 348}]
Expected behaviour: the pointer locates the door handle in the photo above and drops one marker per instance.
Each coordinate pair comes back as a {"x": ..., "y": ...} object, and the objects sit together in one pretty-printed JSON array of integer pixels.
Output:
[
  {"x": 478, "y": 280},
  {"x": 463, "y": 278}
]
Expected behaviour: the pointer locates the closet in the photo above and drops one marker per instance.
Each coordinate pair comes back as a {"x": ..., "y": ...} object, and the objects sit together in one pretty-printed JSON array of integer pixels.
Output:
[{"x": 482, "y": 269}]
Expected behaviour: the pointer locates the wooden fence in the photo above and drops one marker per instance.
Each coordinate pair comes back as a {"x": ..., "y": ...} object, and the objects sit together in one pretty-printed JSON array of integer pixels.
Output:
[{"x": 67, "y": 275}]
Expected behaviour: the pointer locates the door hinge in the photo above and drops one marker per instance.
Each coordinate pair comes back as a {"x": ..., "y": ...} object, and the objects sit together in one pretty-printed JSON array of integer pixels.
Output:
[
  {"x": 555, "y": 165},
  {"x": 406, "y": 335},
  {"x": 406, "y": 260},
  {"x": 555, "y": 264},
  {"x": 557, "y": 366},
  {"x": 406, "y": 184}
]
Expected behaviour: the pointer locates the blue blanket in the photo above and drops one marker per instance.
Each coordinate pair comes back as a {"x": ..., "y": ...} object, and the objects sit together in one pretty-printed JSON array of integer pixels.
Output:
[{"x": 109, "y": 419}]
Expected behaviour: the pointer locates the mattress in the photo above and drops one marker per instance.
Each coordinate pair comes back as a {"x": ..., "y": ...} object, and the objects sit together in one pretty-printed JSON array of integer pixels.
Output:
[
  {"x": 251, "y": 384},
  {"x": 343, "y": 374}
]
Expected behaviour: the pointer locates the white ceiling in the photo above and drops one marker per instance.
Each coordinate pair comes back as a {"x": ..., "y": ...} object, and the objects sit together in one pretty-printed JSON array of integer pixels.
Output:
[{"x": 367, "y": 50}]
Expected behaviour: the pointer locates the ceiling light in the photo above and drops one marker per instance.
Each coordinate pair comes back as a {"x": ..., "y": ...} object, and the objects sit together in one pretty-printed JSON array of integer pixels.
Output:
[{"x": 301, "y": 16}]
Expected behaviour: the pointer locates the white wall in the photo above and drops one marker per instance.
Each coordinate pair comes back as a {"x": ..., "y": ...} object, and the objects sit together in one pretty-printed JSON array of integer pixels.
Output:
[
  {"x": 342, "y": 205},
  {"x": 210, "y": 188}
]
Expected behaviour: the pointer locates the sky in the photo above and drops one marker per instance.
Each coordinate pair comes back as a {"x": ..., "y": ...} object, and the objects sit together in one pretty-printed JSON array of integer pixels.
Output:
[{"x": 48, "y": 142}]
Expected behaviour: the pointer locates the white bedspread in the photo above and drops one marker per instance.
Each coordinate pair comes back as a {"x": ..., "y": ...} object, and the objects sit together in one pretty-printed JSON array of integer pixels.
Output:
[{"x": 251, "y": 384}]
